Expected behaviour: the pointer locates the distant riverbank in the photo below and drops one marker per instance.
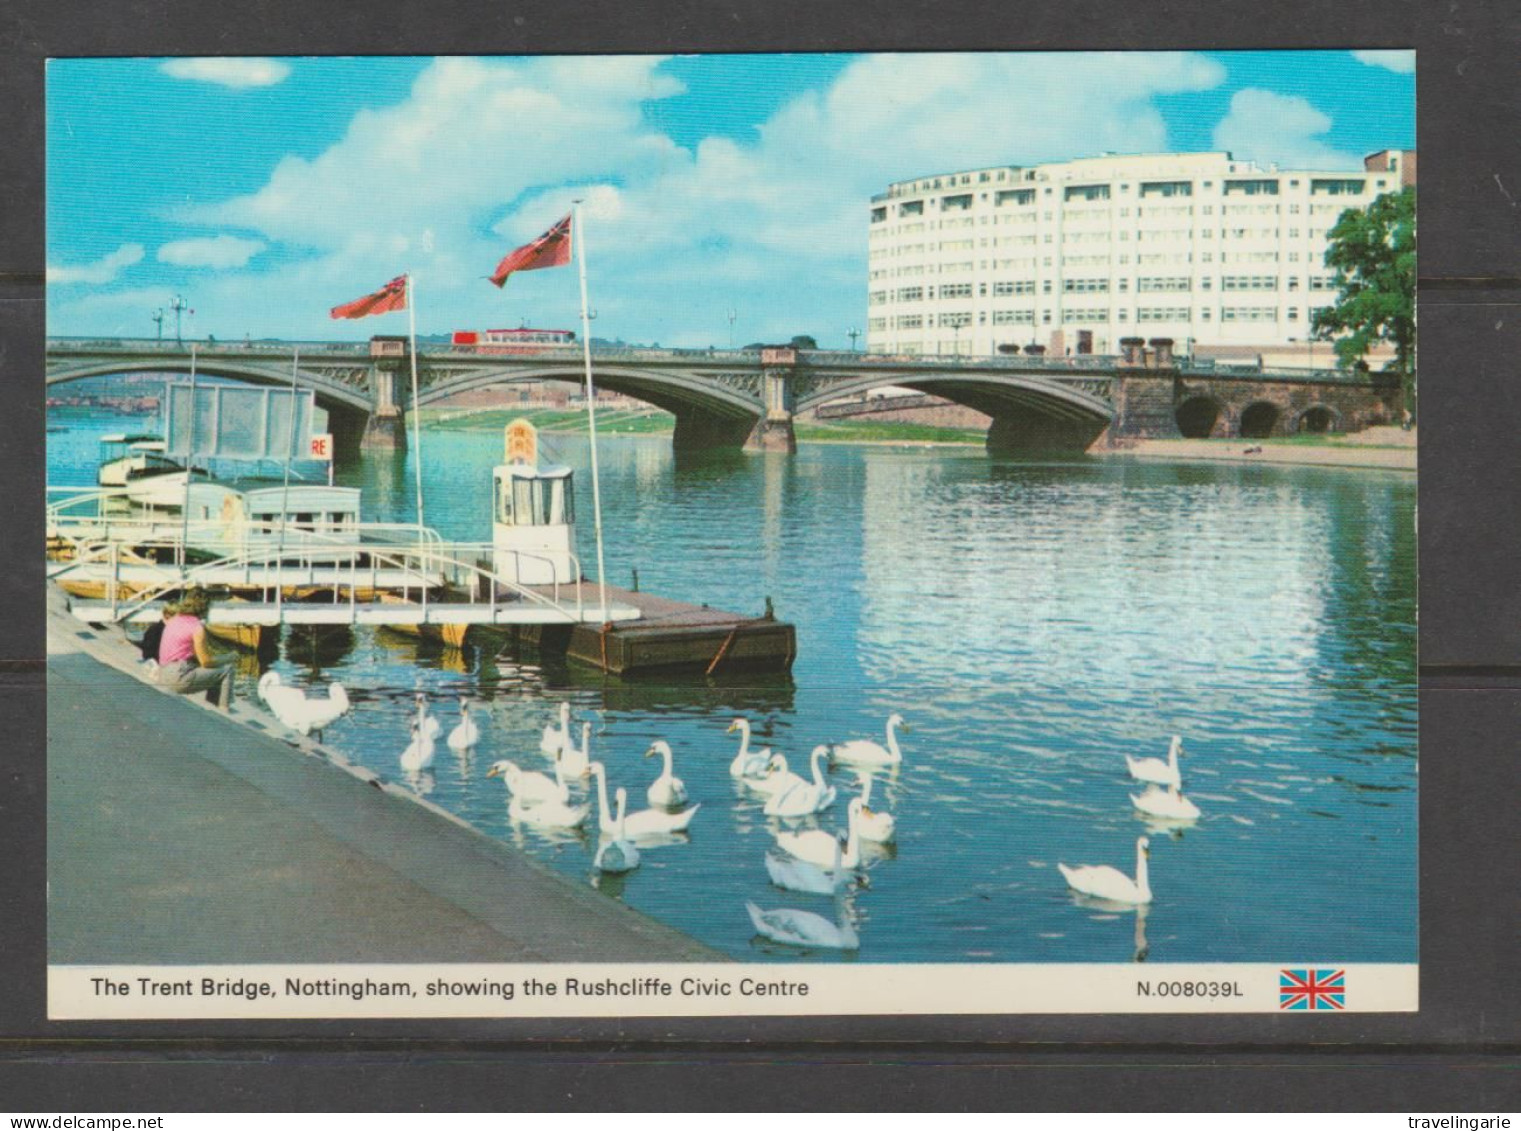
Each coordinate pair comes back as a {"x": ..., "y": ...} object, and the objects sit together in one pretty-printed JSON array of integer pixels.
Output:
[{"x": 1387, "y": 448}]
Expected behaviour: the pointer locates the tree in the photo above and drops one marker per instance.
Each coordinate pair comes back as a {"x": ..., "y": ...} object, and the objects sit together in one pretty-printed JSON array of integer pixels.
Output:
[{"x": 1373, "y": 252}]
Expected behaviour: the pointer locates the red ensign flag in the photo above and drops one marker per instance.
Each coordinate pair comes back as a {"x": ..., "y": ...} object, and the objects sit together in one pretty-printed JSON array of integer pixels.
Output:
[
  {"x": 552, "y": 249},
  {"x": 392, "y": 296}
]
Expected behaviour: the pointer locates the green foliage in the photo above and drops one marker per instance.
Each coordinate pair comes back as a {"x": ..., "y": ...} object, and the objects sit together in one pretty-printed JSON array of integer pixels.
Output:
[{"x": 1373, "y": 252}]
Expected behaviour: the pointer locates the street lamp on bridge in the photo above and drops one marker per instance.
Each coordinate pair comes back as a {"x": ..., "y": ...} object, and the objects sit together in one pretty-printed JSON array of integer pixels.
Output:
[
  {"x": 179, "y": 306},
  {"x": 158, "y": 321},
  {"x": 957, "y": 321},
  {"x": 853, "y": 333}
]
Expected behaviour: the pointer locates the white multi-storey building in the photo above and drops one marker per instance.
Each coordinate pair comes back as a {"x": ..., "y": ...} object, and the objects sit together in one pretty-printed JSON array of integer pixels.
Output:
[{"x": 1197, "y": 247}]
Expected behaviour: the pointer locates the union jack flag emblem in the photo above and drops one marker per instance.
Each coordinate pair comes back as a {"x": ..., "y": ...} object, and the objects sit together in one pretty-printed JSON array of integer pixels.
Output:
[{"x": 1312, "y": 989}]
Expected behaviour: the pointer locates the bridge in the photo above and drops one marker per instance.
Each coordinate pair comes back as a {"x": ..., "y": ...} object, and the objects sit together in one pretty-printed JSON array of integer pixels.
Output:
[{"x": 749, "y": 398}]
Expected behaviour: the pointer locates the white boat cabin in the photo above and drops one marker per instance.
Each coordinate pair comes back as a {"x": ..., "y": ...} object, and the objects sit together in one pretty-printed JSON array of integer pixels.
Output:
[
  {"x": 533, "y": 515},
  {"x": 225, "y": 519},
  {"x": 125, "y": 458}
]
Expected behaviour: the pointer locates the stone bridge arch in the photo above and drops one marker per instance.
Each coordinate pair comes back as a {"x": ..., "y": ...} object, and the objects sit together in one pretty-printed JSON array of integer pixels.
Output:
[
  {"x": 1030, "y": 411},
  {"x": 348, "y": 403},
  {"x": 709, "y": 412}
]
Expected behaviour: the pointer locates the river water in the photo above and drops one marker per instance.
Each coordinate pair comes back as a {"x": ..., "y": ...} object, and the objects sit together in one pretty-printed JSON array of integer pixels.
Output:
[{"x": 1033, "y": 622}]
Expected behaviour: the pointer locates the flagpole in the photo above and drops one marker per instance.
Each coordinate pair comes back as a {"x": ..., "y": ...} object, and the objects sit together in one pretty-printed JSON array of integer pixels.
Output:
[
  {"x": 189, "y": 475},
  {"x": 579, "y": 237},
  {"x": 416, "y": 417}
]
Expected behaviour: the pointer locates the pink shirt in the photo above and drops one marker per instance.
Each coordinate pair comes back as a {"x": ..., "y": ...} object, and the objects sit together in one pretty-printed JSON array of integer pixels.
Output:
[{"x": 178, "y": 643}]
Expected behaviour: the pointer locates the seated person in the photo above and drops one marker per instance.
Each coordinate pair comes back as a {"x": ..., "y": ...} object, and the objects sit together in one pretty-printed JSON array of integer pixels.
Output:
[
  {"x": 185, "y": 661},
  {"x": 148, "y": 645}
]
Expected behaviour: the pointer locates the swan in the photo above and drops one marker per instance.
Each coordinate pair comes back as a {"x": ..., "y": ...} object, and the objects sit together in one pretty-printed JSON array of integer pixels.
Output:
[
  {"x": 799, "y": 875},
  {"x": 294, "y": 709},
  {"x": 819, "y": 847},
  {"x": 810, "y": 797},
  {"x": 862, "y": 752},
  {"x": 419, "y": 752},
  {"x": 667, "y": 791},
  {"x": 531, "y": 788},
  {"x": 747, "y": 763},
  {"x": 1168, "y": 802},
  {"x": 429, "y": 723},
  {"x": 777, "y": 778},
  {"x": 547, "y": 814},
  {"x": 573, "y": 762},
  {"x": 875, "y": 826},
  {"x": 1157, "y": 771},
  {"x": 804, "y": 928},
  {"x": 644, "y": 823},
  {"x": 556, "y": 738},
  {"x": 618, "y": 854},
  {"x": 467, "y": 734},
  {"x": 1105, "y": 882}
]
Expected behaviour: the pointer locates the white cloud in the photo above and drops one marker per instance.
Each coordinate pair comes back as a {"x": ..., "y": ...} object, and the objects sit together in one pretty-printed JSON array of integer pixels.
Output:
[
  {"x": 1280, "y": 129},
  {"x": 103, "y": 270},
  {"x": 236, "y": 73},
  {"x": 1400, "y": 62},
  {"x": 218, "y": 252},
  {"x": 485, "y": 154}
]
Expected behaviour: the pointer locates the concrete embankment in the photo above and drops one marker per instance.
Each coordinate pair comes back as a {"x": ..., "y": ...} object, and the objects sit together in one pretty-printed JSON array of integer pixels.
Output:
[{"x": 180, "y": 835}]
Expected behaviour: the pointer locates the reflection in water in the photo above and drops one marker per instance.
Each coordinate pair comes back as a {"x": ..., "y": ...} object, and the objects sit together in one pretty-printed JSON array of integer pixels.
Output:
[{"x": 1036, "y": 623}]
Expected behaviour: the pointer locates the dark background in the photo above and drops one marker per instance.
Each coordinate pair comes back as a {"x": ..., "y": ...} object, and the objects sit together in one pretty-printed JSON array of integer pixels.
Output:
[{"x": 1459, "y": 1054}]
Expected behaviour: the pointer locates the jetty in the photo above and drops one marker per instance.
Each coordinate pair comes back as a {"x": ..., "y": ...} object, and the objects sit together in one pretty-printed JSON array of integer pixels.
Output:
[{"x": 179, "y": 834}]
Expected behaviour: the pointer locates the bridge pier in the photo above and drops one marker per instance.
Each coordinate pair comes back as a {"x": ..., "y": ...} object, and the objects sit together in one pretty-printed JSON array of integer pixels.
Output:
[
  {"x": 774, "y": 431},
  {"x": 384, "y": 432}
]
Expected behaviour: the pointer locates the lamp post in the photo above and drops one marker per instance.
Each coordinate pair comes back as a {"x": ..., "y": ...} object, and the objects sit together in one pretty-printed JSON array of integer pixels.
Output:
[
  {"x": 732, "y": 315},
  {"x": 158, "y": 321},
  {"x": 957, "y": 321},
  {"x": 179, "y": 305},
  {"x": 853, "y": 333}
]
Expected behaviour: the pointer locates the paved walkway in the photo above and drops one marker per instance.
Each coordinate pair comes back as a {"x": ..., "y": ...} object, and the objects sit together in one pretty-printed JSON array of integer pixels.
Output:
[{"x": 177, "y": 834}]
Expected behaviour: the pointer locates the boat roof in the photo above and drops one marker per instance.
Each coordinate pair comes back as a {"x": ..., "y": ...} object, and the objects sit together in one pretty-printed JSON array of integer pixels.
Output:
[
  {"x": 303, "y": 496},
  {"x": 149, "y": 446},
  {"x": 130, "y": 438},
  {"x": 529, "y": 471}
]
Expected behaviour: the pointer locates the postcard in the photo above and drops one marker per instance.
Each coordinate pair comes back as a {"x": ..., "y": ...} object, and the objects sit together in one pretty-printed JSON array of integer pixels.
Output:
[{"x": 621, "y": 536}]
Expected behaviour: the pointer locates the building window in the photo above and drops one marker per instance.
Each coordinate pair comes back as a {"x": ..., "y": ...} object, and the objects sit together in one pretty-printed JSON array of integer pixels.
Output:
[
  {"x": 1045, "y": 286},
  {"x": 1085, "y": 286},
  {"x": 1014, "y": 196},
  {"x": 1248, "y": 314},
  {"x": 911, "y": 208},
  {"x": 879, "y": 214},
  {"x": 1251, "y": 188},
  {"x": 1329, "y": 187},
  {"x": 1161, "y": 314},
  {"x": 1162, "y": 283},
  {"x": 1167, "y": 188},
  {"x": 1013, "y": 317},
  {"x": 1086, "y": 192}
]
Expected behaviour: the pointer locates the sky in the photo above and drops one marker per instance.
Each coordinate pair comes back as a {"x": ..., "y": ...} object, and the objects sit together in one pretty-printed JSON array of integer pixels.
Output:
[{"x": 263, "y": 192}]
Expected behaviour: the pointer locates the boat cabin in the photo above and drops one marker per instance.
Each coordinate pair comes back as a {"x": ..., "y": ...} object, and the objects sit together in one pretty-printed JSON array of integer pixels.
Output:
[
  {"x": 224, "y": 519},
  {"x": 127, "y": 457},
  {"x": 533, "y": 515}
]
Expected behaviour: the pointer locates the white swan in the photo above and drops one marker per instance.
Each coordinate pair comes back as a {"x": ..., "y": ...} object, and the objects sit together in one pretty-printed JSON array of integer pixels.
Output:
[
  {"x": 879, "y": 827},
  {"x": 861, "y": 752},
  {"x": 295, "y": 709},
  {"x": 804, "y": 928},
  {"x": 555, "y": 738},
  {"x": 1104, "y": 882},
  {"x": 531, "y": 788},
  {"x": 467, "y": 734},
  {"x": 573, "y": 761},
  {"x": 418, "y": 755},
  {"x": 822, "y": 848},
  {"x": 1157, "y": 771},
  {"x": 1168, "y": 802},
  {"x": 777, "y": 778},
  {"x": 429, "y": 723},
  {"x": 547, "y": 814},
  {"x": 667, "y": 791},
  {"x": 747, "y": 763},
  {"x": 810, "y": 797},
  {"x": 644, "y": 823},
  {"x": 620, "y": 853},
  {"x": 799, "y": 875}
]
